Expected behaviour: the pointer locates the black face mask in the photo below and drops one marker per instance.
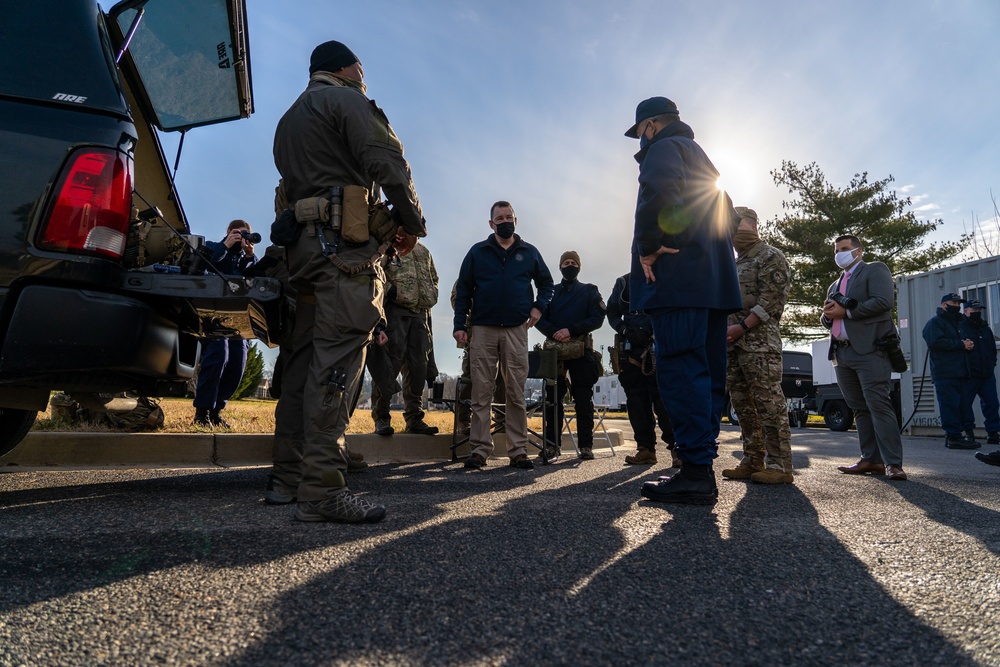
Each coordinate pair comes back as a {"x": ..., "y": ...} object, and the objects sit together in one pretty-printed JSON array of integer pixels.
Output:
[
  {"x": 952, "y": 310},
  {"x": 505, "y": 229},
  {"x": 976, "y": 316},
  {"x": 570, "y": 272}
]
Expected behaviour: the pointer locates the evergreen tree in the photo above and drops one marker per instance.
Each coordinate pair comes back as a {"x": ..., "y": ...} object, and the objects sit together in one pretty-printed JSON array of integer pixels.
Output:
[
  {"x": 253, "y": 373},
  {"x": 819, "y": 213}
]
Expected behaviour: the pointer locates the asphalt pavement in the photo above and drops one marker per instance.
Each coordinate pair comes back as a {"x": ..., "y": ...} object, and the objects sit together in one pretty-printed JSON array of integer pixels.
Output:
[{"x": 564, "y": 564}]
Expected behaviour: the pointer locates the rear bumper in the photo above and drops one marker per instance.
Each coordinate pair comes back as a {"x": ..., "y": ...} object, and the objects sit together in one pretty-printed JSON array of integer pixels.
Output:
[{"x": 55, "y": 331}]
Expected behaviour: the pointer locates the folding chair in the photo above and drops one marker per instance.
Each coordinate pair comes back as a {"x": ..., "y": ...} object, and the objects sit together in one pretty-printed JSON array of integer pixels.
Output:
[
  {"x": 496, "y": 418},
  {"x": 543, "y": 365},
  {"x": 600, "y": 430}
]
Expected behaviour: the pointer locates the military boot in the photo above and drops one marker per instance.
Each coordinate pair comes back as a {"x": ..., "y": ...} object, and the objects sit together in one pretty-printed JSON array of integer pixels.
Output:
[
  {"x": 217, "y": 420},
  {"x": 201, "y": 417},
  {"x": 642, "y": 457},
  {"x": 277, "y": 493},
  {"x": 747, "y": 467},
  {"x": 993, "y": 438},
  {"x": 384, "y": 427},
  {"x": 675, "y": 461},
  {"x": 772, "y": 476},
  {"x": 421, "y": 428}
]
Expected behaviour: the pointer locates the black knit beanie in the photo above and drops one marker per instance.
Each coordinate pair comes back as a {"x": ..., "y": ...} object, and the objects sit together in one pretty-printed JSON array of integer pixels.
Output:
[{"x": 330, "y": 57}]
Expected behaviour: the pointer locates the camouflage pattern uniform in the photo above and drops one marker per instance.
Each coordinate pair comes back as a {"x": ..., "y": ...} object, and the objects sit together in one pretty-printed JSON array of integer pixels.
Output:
[
  {"x": 754, "y": 364},
  {"x": 415, "y": 280}
]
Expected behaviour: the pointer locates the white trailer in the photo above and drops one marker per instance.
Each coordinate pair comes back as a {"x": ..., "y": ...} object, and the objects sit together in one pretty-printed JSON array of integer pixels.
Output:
[{"x": 609, "y": 393}]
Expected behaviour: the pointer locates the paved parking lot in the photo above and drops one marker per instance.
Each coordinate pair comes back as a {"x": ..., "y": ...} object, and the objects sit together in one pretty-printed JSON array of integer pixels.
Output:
[{"x": 560, "y": 565}]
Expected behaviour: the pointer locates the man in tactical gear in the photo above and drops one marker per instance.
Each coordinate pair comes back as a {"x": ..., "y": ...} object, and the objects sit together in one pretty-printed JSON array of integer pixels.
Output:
[
  {"x": 576, "y": 310},
  {"x": 634, "y": 350},
  {"x": 412, "y": 292},
  {"x": 336, "y": 154}
]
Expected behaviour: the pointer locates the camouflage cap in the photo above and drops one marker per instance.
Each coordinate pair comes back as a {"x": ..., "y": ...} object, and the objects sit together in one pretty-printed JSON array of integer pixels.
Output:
[{"x": 747, "y": 213}]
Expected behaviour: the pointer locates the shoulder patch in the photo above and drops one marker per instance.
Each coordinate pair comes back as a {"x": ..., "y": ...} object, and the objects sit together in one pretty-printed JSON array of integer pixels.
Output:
[
  {"x": 381, "y": 133},
  {"x": 779, "y": 277}
]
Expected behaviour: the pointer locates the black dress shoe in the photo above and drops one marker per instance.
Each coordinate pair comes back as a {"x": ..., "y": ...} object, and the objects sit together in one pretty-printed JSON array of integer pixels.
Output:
[{"x": 993, "y": 458}]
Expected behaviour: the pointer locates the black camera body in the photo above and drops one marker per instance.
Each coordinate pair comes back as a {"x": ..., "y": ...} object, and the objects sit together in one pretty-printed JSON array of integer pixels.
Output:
[
  {"x": 889, "y": 344},
  {"x": 847, "y": 302},
  {"x": 252, "y": 237}
]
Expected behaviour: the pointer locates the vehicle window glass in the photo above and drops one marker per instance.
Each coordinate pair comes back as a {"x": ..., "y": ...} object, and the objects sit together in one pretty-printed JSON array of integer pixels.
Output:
[
  {"x": 64, "y": 61},
  {"x": 183, "y": 53}
]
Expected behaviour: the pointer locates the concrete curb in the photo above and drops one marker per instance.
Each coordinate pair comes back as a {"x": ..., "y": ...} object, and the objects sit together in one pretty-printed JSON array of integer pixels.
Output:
[{"x": 42, "y": 449}]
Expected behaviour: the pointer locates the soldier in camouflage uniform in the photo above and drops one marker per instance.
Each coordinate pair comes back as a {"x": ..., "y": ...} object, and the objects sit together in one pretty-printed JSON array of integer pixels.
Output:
[
  {"x": 412, "y": 292},
  {"x": 754, "y": 364},
  {"x": 333, "y": 136}
]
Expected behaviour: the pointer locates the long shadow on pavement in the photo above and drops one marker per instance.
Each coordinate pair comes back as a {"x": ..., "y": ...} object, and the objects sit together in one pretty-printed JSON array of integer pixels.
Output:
[{"x": 579, "y": 573}]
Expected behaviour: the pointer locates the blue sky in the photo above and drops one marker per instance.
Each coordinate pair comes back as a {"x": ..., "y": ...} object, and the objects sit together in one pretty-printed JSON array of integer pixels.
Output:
[{"x": 527, "y": 101}]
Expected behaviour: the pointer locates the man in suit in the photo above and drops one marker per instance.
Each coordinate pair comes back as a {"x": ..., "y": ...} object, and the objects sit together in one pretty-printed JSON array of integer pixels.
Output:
[
  {"x": 684, "y": 276},
  {"x": 858, "y": 311}
]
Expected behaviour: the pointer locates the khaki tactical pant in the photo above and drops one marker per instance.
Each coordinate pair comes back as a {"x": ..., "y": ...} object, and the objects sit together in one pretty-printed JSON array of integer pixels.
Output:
[
  {"x": 346, "y": 312},
  {"x": 508, "y": 348},
  {"x": 463, "y": 408},
  {"x": 754, "y": 382}
]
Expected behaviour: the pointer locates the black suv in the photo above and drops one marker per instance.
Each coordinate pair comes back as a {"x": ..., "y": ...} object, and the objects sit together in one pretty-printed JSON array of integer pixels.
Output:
[{"x": 102, "y": 287}]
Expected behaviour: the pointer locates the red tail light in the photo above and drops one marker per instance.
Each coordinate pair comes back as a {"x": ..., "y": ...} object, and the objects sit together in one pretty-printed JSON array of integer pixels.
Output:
[{"x": 93, "y": 205}]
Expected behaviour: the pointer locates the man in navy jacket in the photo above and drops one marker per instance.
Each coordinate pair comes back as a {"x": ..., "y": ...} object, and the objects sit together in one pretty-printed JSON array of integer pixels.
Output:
[
  {"x": 684, "y": 276},
  {"x": 949, "y": 367},
  {"x": 495, "y": 284}
]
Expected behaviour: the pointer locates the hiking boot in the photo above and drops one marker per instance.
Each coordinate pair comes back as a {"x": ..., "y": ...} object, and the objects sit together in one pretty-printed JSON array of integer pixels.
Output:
[
  {"x": 475, "y": 461},
  {"x": 463, "y": 429},
  {"x": 993, "y": 458},
  {"x": 201, "y": 417},
  {"x": 993, "y": 438},
  {"x": 642, "y": 457},
  {"x": 586, "y": 454},
  {"x": 345, "y": 507},
  {"x": 693, "y": 485},
  {"x": 960, "y": 442},
  {"x": 772, "y": 476},
  {"x": 421, "y": 428},
  {"x": 747, "y": 467},
  {"x": 217, "y": 420},
  {"x": 522, "y": 461},
  {"x": 384, "y": 427},
  {"x": 356, "y": 462},
  {"x": 278, "y": 494}
]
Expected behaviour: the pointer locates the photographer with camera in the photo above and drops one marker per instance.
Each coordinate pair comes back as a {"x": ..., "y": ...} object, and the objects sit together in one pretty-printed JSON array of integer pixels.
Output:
[
  {"x": 858, "y": 312},
  {"x": 949, "y": 368},
  {"x": 223, "y": 359}
]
